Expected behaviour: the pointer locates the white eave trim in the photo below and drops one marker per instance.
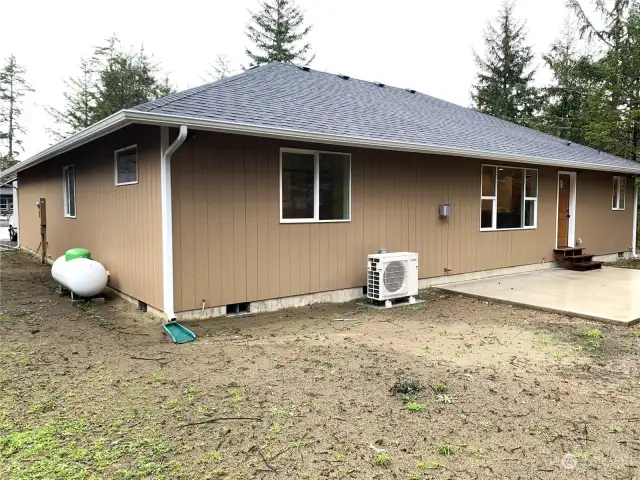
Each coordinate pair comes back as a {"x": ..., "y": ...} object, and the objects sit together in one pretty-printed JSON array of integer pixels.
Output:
[
  {"x": 344, "y": 140},
  {"x": 103, "y": 127},
  {"x": 126, "y": 117}
]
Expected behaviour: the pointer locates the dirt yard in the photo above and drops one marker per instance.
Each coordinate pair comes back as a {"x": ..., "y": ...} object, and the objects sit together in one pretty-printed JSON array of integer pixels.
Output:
[{"x": 484, "y": 391}]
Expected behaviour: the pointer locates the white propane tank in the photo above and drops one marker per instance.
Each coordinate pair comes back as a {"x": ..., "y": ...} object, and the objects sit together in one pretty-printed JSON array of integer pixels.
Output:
[{"x": 81, "y": 276}]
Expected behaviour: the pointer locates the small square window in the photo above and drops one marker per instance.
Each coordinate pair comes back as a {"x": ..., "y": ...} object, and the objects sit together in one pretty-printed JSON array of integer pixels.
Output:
[{"x": 126, "y": 160}]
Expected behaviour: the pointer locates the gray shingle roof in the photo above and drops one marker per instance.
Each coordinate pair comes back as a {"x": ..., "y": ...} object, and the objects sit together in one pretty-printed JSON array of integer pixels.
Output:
[{"x": 286, "y": 96}]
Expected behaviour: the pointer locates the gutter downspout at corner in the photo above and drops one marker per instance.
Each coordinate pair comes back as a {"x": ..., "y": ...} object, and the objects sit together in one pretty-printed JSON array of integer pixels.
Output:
[
  {"x": 166, "y": 151},
  {"x": 636, "y": 191}
]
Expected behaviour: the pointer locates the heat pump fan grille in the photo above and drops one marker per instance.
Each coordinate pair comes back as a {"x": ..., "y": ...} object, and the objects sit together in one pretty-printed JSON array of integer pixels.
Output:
[{"x": 394, "y": 275}]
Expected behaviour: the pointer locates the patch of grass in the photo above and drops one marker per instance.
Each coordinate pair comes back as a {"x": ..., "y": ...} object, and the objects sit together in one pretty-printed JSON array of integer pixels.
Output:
[
  {"x": 558, "y": 356},
  {"x": 432, "y": 465},
  {"x": 592, "y": 333},
  {"x": 338, "y": 457},
  {"x": 624, "y": 388},
  {"x": 592, "y": 342},
  {"x": 173, "y": 403},
  {"x": 615, "y": 429},
  {"x": 24, "y": 359},
  {"x": 4, "y": 317},
  {"x": 274, "y": 430},
  {"x": 158, "y": 378},
  {"x": 445, "y": 398},
  {"x": 236, "y": 395},
  {"x": 441, "y": 387},
  {"x": 407, "y": 387},
  {"x": 282, "y": 411},
  {"x": 192, "y": 390},
  {"x": 416, "y": 407},
  {"x": 87, "y": 307},
  {"x": 637, "y": 334},
  {"x": 479, "y": 452},
  {"x": 581, "y": 455},
  {"x": 383, "y": 460},
  {"x": 215, "y": 456},
  {"x": 43, "y": 406},
  {"x": 538, "y": 428},
  {"x": 302, "y": 443},
  {"x": 445, "y": 449}
]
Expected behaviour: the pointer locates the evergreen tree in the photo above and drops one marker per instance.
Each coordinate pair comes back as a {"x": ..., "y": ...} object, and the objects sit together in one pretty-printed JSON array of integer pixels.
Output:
[
  {"x": 80, "y": 102},
  {"x": 503, "y": 87},
  {"x": 278, "y": 34},
  {"x": 614, "y": 109},
  {"x": 564, "y": 113},
  {"x": 221, "y": 68},
  {"x": 111, "y": 80},
  {"x": 13, "y": 87},
  {"x": 125, "y": 79}
]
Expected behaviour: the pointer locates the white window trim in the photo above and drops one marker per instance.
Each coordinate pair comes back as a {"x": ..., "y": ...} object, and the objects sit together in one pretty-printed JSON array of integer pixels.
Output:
[
  {"x": 65, "y": 193},
  {"x": 316, "y": 186},
  {"x": 494, "y": 198},
  {"x": 115, "y": 166},
  {"x": 620, "y": 179}
]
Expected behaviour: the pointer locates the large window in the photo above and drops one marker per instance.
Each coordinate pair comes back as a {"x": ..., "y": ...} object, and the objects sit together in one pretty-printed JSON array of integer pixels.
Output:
[
  {"x": 126, "y": 160},
  {"x": 69, "y": 190},
  {"x": 509, "y": 198},
  {"x": 619, "y": 188},
  {"x": 315, "y": 186}
]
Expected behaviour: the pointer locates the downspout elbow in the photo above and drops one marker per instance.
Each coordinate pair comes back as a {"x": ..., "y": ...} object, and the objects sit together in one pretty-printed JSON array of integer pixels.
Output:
[
  {"x": 182, "y": 136},
  {"x": 167, "y": 219}
]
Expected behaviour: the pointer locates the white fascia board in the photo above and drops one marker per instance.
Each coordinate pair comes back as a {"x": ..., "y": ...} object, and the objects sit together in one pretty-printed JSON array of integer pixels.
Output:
[
  {"x": 103, "y": 127},
  {"x": 362, "y": 142},
  {"x": 125, "y": 117}
]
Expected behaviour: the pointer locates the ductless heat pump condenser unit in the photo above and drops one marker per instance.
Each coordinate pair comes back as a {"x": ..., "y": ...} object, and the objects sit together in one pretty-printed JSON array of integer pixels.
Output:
[{"x": 392, "y": 275}]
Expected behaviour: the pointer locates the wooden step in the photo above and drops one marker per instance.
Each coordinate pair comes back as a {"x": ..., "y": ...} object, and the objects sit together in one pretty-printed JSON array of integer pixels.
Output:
[
  {"x": 584, "y": 266},
  {"x": 574, "y": 258},
  {"x": 569, "y": 251},
  {"x": 579, "y": 258}
]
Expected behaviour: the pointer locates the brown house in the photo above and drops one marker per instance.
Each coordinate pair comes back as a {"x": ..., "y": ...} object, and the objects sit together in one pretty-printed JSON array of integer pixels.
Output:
[{"x": 268, "y": 189}]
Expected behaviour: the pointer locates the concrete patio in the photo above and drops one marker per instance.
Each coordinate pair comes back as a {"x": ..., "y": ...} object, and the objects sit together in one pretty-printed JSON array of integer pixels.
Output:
[{"x": 610, "y": 295}]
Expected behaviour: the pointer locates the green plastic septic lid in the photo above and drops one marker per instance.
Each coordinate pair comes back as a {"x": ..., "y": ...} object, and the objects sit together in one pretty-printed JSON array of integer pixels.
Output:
[{"x": 74, "y": 253}]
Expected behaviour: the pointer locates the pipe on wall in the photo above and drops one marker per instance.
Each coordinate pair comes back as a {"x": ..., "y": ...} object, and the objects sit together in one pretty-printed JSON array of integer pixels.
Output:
[
  {"x": 167, "y": 219},
  {"x": 634, "y": 245}
]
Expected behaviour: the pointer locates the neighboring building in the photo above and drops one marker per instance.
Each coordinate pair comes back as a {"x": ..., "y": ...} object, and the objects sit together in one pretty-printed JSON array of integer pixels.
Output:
[
  {"x": 270, "y": 188},
  {"x": 6, "y": 201}
]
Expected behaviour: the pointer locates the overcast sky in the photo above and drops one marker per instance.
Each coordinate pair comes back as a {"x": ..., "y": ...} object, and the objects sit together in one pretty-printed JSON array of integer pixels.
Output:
[{"x": 421, "y": 44}]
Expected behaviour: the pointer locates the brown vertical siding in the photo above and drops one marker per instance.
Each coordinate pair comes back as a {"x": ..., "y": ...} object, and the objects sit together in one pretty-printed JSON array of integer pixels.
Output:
[
  {"x": 602, "y": 229},
  {"x": 230, "y": 246},
  {"x": 121, "y": 226}
]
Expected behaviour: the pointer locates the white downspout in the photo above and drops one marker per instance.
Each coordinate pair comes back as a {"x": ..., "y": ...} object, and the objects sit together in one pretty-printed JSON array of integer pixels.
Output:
[
  {"x": 16, "y": 214},
  {"x": 166, "y": 151},
  {"x": 636, "y": 192}
]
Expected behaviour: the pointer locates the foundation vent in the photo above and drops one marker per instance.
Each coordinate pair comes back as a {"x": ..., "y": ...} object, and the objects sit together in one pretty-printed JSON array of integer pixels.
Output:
[{"x": 238, "y": 308}]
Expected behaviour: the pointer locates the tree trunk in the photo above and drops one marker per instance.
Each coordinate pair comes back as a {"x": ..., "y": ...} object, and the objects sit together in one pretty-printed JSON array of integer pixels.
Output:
[{"x": 11, "y": 100}]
